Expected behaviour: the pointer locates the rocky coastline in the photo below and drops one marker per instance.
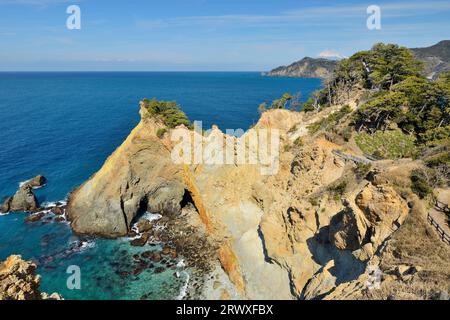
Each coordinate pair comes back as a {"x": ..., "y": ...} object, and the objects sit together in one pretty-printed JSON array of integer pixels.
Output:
[
  {"x": 334, "y": 221},
  {"x": 19, "y": 281},
  {"x": 300, "y": 234},
  {"x": 245, "y": 235}
]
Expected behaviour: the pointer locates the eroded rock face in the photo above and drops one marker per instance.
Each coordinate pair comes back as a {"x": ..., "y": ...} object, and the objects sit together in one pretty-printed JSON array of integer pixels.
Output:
[
  {"x": 377, "y": 211},
  {"x": 344, "y": 232},
  {"x": 18, "y": 281},
  {"x": 24, "y": 200},
  {"x": 321, "y": 284},
  {"x": 278, "y": 237},
  {"x": 383, "y": 207}
]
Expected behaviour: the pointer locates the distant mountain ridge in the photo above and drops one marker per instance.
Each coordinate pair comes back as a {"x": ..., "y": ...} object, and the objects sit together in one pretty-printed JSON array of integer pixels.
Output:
[
  {"x": 306, "y": 68},
  {"x": 436, "y": 59}
]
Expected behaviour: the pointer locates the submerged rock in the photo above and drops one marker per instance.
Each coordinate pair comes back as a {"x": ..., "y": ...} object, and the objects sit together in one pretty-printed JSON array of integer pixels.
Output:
[
  {"x": 34, "y": 217},
  {"x": 140, "y": 242},
  {"x": 144, "y": 225},
  {"x": 19, "y": 281},
  {"x": 57, "y": 210}
]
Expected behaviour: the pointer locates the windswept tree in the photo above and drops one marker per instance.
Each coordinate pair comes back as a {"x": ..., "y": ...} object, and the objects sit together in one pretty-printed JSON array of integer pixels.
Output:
[
  {"x": 295, "y": 103},
  {"x": 390, "y": 64},
  {"x": 168, "y": 112},
  {"x": 282, "y": 102},
  {"x": 377, "y": 113}
]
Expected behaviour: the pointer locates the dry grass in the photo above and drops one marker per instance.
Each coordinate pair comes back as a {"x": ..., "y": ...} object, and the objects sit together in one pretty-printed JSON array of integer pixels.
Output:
[{"x": 416, "y": 243}]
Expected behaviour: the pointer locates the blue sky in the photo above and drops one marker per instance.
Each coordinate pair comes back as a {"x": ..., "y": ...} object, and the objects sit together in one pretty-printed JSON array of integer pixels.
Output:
[{"x": 205, "y": 35}]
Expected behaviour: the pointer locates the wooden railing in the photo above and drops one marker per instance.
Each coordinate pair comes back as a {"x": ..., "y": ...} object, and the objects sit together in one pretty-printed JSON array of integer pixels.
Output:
[
  {"x": 442, "y": 207},
  {"x": 350, "y": 157},
  {"x": 373, "y": 157},
  {"x": 445, "y": 237}
]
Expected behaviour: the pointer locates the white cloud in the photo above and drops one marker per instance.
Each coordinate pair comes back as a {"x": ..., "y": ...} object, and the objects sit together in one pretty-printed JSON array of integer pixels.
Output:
[
  {"x": 330, "y": 54},
  {"x": 401, "y": 9}
]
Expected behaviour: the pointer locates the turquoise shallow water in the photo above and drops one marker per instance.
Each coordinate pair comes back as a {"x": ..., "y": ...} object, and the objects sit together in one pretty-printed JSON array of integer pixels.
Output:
[{"x": 64, "y": 125}]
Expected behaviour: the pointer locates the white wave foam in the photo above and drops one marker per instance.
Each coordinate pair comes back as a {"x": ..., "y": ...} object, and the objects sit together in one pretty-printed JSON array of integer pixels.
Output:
[
  {"x": 81, "y": 246},
  {"x": 181, "y": 264},
  {"x": 184, "y": 288},
  {"x": 87, "y": 245},
  {"x": 151, "y": 216},
  {"x": 4, "y": 214},
  {"x": 51, "y": 204},
  {"x": 159, "y": 227},
  {"x": 22, "y": 183},
  {"x": 138, "y": 236}
]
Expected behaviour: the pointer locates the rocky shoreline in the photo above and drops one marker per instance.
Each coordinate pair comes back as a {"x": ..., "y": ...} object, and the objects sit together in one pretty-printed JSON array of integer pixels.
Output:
[
  {"x": 172, "y": 242},
  {"x": 183, "y": 244},
  {"x": 18, "y": 281}
]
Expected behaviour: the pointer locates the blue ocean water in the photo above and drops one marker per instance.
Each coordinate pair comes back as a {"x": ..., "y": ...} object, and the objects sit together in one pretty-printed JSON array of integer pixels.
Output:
[{"x": 64, "y": 125}]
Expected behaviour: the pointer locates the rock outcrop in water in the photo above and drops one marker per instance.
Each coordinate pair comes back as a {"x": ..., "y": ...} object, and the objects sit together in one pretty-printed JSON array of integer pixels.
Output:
[
  {"x": 18, "y": 281},
  {"x": 24, "y": 199}
]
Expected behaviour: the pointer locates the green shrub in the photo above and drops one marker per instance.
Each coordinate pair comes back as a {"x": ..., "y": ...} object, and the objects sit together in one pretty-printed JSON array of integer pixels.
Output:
[
  {"x": 362, "y": 169},
  {"x": 161, "y": 132},
  {"x": 441, "y": 159},
  {"x": 167, "y": 111},
  {"x": 420, "y": 185},
  {"x": 330, "y": 121},
  {"x": 347, "y": 133},
  {"x": 314, "y": 202},
  {"x": 338, "y": 189},
  {"x": 298, "y": 142},
  {"x": 392, "y": 144},
  {"x": 293, "y": 129}
]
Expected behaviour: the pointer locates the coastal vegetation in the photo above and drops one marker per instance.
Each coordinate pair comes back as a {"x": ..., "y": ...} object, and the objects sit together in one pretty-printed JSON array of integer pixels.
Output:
[
  {"x": 420, "y": 184},
  {"x": 286, "y": 101},
  {"x": 169, "y": 112},
  {"x": 330, "y": 121},
  {"x": 399, "y": 110},
  {"x": 391, "y": 144}
]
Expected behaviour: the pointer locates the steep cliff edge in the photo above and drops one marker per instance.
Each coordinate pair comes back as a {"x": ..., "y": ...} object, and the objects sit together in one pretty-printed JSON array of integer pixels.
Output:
[{"x": 137, "y": 177}]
